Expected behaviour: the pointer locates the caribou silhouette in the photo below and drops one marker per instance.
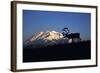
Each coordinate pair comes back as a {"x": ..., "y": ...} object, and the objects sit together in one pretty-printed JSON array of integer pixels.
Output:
[{"x": 74, "y": 36}]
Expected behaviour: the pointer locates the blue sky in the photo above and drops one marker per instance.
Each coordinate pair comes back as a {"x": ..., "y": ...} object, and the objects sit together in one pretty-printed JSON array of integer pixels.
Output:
[{"x": 37, "y": 21}]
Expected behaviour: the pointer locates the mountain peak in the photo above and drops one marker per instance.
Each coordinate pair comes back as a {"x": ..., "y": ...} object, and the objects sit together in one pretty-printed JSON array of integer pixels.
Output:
[
  {"x": 45, "y": 38},
  {"x": 53, "y": 35},
  {"x": 54, "y": 31}
]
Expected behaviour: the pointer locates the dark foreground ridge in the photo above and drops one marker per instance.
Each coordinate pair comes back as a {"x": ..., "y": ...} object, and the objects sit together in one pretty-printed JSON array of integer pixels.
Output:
[{"x": 72, "y": 51}]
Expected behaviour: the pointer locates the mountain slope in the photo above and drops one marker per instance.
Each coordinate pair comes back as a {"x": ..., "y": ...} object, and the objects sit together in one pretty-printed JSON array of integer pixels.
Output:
[{"x": 45, "y": 39}]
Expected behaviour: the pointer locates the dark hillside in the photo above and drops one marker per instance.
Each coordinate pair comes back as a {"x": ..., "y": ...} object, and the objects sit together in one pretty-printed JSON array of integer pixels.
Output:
[{"x": 72, "y": 51}]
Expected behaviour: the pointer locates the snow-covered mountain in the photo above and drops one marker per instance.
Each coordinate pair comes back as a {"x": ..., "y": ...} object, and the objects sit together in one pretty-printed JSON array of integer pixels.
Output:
[{"x": 45, "y": 39}]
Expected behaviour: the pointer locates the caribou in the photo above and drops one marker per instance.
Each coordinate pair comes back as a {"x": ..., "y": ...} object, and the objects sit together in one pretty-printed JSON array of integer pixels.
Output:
[{"x": 73, "y": 36}]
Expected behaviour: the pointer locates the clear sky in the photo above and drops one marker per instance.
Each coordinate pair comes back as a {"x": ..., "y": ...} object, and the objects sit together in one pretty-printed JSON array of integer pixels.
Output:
[{"x": 37, "y": 21}]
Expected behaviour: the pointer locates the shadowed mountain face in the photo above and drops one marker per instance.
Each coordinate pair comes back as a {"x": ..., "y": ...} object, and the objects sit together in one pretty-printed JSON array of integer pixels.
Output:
[{"x": 42, "y": 39}]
